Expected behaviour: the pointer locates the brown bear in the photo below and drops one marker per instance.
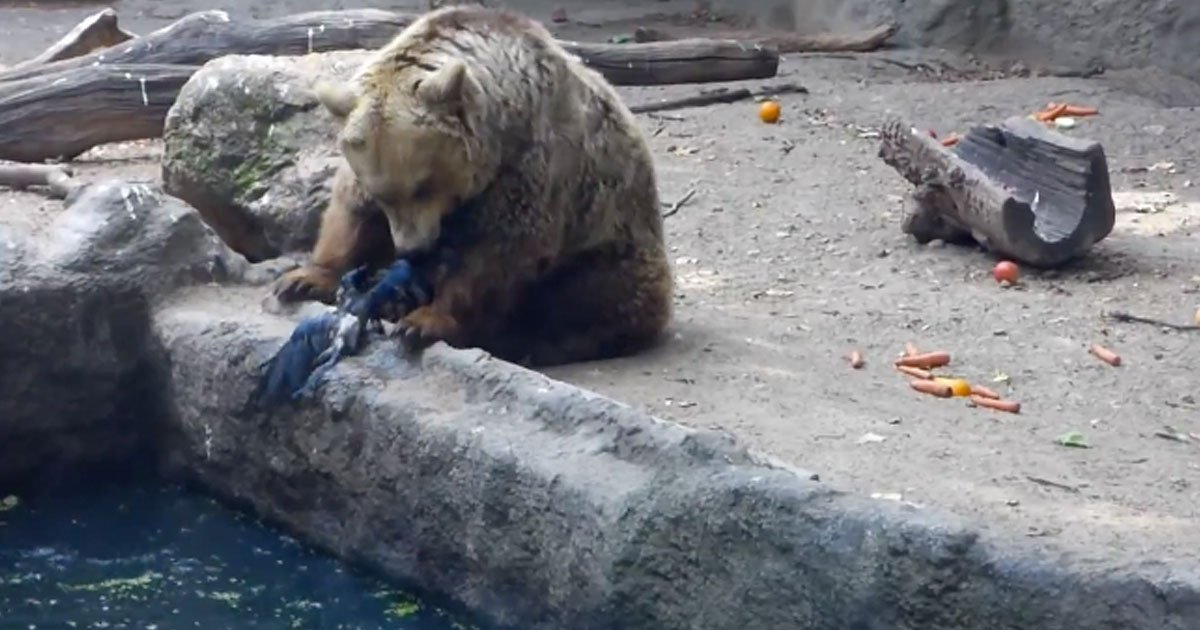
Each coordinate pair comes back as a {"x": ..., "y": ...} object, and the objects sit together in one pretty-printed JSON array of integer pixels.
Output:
[{"x": 475, "y": 132}]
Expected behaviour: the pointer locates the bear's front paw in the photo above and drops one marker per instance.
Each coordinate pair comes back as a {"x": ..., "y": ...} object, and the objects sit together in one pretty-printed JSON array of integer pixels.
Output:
[
  {"x": 424, "y": 327},
  {"x": 307, "y": 283}
]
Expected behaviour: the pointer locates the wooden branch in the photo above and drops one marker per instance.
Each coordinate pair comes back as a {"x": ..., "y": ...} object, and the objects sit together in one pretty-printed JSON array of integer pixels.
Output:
[
  {"x": 860, "y": 41},
  {"x": 53, "y": 176},
  {"x": 99, "y": 30},
  {"x": 680, "y": 61},
  {"x": 1019, "y": 189},
  {"x": 63, "y": 114},
  {"x": 718, "y": 96},
  {"x": 200, "y": 37}
]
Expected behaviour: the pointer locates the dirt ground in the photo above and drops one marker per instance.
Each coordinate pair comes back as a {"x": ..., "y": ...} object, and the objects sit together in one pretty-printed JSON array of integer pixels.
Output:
[{"x": 789, "y": 255}]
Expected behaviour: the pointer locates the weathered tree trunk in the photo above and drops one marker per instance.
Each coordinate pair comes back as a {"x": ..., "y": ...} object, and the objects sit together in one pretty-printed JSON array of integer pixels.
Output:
[
  {"x": 54, "y": 177},
  {"x": 62, "y": 108},
  {"x": 860, "y": 41},
  {"x": 62, "y": 114},
  {"x": 1019, "y": 189},
  {"x": 99, "y": 30},
  {"x": 200, "y": 37},
  {"x": 680, "y": 61}
]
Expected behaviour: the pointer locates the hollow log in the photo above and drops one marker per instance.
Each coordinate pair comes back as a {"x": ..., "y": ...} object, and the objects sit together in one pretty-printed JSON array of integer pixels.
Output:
[
  {"x": 99, "y": 30},
  {"x": 1019, "y": 189},
  {"x": 858, "y": 41},
  {"x": 62, "y": 114}
]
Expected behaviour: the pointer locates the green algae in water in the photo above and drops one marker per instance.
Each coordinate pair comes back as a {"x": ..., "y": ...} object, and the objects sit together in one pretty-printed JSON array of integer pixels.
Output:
[{"x": 161, "y": 558}]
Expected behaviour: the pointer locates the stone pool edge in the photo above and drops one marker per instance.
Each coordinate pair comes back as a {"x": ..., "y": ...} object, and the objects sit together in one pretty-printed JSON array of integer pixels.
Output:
[{"x": 538, "y": 504}]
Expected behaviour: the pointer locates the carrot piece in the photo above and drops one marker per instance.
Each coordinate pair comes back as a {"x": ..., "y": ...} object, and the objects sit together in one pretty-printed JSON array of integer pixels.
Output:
[
  {"x": 950, "y": 140},
  {"x": 915, "y": 372},
  {"x": 856, "y": 359},
  {"x": 927, "y": 360},
  {"x": 1080, "y": 110},
  {"x": 1011, "y": 406},
  {"x": 1050, "y": 113},
  {"x": 933, "y": 388},
  {"x": 1105, "y": 355},
  {"x": 980, "y": 390},
  {"x": 910, "y": 349}
]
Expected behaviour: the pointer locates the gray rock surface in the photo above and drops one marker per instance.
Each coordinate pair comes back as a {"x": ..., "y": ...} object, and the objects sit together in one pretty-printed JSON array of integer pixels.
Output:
[
  {"x": 249, "y": 146},
  {"x": 79, "y": 368},
  {"x": 1070, "y": 33},
  {"x": 542, "y": 505}
]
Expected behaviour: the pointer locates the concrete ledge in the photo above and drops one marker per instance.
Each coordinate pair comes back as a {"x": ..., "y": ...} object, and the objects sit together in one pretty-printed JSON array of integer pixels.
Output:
[{"x": 540, "y": 505}]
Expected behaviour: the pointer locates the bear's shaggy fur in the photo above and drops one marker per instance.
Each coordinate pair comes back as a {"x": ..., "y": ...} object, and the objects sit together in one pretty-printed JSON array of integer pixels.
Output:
[{"x": 475, "y": 133}]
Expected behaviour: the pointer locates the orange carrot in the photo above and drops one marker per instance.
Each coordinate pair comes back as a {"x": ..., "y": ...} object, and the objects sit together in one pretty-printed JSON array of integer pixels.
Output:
[
  {"x": 1106, "y": 355},
  {"x": 915, "y": 372},
  {"x": 1011, "y": 406},
  {"x": 1052, "y": 112},
  {"x": 950, "y": 140},
  {"x": 980, "y": 390},
  {"x": 933, "y": 388},
  {"x": 1080, "y": 110},
  {"x": 927, "y": 360},
  {"x": 910, "y": 349},
  {"x": 856, "y": 359}
]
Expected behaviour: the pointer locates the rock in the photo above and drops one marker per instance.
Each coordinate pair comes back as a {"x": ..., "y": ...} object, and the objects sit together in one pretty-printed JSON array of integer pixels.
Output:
[
  {"x": 540, "y": 505},
  {"x": 80, "y": 372},
  {"x": 249, "y": 146}
]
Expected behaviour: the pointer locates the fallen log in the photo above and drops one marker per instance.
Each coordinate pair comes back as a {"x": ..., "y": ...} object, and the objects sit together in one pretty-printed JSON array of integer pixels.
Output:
[
  {"x": 859, "y": 41},
  {"x": 197, "y": 38},
  {"x": 99, "y": 30},
  {"x": 716, "y": 97},
  {"x": 62, "y": 114},
  {"x": 679, "y": 61},
  {"x": 200, "y": 37},
  {"x": 55, "y": 177},
  {"x": 1019, "y": 189}
]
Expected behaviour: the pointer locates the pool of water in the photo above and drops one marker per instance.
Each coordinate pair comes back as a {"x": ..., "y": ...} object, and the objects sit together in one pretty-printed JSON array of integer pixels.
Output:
[{"x": 163, "y": 558}]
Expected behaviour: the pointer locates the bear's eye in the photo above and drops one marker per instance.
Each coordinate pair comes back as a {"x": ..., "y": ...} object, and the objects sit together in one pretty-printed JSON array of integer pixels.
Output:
[
  {"x": 416, "y": 86},
  {"x": 423, "y": 191}
]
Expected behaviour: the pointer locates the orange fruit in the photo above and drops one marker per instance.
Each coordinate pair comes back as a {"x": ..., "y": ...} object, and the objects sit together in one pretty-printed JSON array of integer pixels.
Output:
[
  {"x": 958, "y": 386},
  {"x": 769, "y": 112},
  {"x": 1006, "y": 271}
]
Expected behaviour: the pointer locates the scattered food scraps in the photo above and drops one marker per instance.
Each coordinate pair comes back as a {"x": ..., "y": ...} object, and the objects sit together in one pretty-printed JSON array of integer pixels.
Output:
[
  {"x": 933, "y": 388},
  {"x": 1054, "y": 111},
  {"x": 1008, "y": 406},
  {"x": 980, "y": 390},
  {"x": 1073, "y": 439},
  {"x": 958, "y": 386},
  {"x": 1006, "y": 271},
  {"x": 926, "y": 361},
  {"x": 769, "y": 112},
  {"x": 1105, "y": 355},
  {"x": 856, "y": 359},
  {"x": 915, "y": 372},
  {"x": 950, "y": 140},
  {"x": 871, "y": 438},
  {"x": 910, "y": 348},
  {"x": 1066, "y": 122}
]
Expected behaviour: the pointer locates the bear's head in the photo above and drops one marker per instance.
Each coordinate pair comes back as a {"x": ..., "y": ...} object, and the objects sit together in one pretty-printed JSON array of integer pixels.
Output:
[{"x": 407, "y": 137}]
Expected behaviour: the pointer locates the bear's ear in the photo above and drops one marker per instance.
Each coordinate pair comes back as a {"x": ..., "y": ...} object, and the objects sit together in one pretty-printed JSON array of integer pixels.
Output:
[
  {"x": 338, "y": 98},
  {"x": 447, "y": 86}
]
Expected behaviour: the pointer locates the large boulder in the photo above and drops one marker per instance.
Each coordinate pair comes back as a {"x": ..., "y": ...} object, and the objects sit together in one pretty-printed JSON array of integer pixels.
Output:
[
  {"x": 80, "y": 377},
  {"x": 249, "y": 146}
]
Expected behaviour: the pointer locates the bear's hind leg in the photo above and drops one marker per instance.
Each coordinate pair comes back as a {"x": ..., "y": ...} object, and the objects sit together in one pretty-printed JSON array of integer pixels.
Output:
[{"x": 601, "y": 305}]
